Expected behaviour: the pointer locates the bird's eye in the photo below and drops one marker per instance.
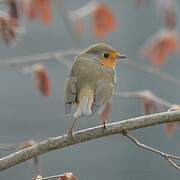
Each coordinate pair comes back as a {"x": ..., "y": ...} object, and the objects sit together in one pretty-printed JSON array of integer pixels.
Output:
[{"x": 106, "y": 55}]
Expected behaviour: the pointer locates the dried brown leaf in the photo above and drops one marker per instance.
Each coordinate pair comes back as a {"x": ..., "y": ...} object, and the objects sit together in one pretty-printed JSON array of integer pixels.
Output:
[
  {"x": 161, "y": 46},
  {"x": 42, "y": 81},
  {"x": 103, "y": 20}
]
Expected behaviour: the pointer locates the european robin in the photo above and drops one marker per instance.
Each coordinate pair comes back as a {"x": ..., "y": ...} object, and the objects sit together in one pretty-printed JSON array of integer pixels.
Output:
[{"x": 91, "y": 81}]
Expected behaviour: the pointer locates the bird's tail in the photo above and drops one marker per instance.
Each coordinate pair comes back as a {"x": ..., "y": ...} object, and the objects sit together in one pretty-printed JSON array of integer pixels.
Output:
[{"x": 85, "y": 104}]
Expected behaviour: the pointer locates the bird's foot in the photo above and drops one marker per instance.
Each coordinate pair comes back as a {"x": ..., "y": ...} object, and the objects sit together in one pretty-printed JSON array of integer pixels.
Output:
[
  {"x": 71, "y": 133},
  {"x": 105, "y": 124},
  {"x": 71, "y": 130}
]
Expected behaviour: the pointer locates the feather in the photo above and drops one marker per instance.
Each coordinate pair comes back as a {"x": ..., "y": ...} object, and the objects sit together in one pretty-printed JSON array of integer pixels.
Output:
[{"x": 84, "y": 107}]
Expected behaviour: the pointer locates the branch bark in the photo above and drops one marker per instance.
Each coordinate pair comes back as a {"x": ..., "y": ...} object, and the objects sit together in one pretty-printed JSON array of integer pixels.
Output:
[{"x": 85, "y": 135}]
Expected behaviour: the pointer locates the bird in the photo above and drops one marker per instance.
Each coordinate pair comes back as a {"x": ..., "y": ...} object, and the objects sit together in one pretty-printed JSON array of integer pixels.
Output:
[{"x": 91, "y": 82}]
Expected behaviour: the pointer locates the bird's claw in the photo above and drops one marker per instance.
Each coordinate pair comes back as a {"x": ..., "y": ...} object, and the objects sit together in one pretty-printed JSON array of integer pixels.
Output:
[
  {"x": 105, "y": 125},
  {"x": 71, "y": 133}
]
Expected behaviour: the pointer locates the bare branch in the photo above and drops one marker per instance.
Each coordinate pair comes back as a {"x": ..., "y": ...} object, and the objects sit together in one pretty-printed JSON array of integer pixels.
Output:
[
  {"x": 20, "y": 146},
  {"x": 145, "y": 94},
  {"x": 58, "y": 55},
  {"x": 86, "y": 135},
  {"x": 8, "y": 147},
  {"x": 52, "y": 177},
  {"x": 168, "y": 157},
  {"x": 14, "y": 147},
  {"x": 39, "y": 177},
  {"x": 65, "y": 176},
  {"x": 65, "y": 17},
  {"x": 154, "y": 71},
  {"x": 87, "y": 9},
  {"x": 37, "y": 58}
]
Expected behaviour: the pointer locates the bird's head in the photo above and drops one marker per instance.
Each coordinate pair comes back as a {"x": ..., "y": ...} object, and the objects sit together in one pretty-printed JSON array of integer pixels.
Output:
[{"x": 104, "y": 54}]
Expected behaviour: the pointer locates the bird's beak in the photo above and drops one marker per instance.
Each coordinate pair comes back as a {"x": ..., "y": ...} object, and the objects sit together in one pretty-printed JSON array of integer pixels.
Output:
[{"x": 121, "y": 56}]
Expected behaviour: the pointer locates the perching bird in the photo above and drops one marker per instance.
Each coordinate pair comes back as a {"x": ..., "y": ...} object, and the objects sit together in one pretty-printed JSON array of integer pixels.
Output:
[{"x": 91, "y": 81}]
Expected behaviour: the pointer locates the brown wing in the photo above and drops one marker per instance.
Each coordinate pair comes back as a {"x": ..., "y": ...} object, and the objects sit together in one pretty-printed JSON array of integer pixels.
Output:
[
  {"x": 78, "y": 72},
  {"x": 70, "y": 93},
  {"x": 103, "y": 93}
]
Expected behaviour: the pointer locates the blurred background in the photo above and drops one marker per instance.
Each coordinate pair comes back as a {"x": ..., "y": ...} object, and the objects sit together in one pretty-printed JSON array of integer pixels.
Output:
[{"x": 25, "y": 114}]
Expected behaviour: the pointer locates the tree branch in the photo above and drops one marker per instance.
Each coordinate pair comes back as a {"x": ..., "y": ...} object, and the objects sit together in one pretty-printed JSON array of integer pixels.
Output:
[
  {"x": 168, "y": 157},
  {"x": 85, "y": 135}
]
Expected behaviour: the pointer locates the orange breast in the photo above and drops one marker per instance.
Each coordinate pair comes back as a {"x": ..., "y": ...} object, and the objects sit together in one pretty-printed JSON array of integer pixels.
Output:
[{"x": 109, "y": 62}]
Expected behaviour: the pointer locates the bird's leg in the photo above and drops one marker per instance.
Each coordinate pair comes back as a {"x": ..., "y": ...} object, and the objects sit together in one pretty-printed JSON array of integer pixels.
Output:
[
  {"x": 104, "y": 121},
  {"x": 104, "y": 124},
  {"x": 71, "y": 130},
  {"x": 104, "y": 115}
]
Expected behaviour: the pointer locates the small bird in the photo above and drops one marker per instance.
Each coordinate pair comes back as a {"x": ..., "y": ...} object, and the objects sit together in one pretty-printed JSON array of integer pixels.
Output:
[{"x": 91, "y": 81}]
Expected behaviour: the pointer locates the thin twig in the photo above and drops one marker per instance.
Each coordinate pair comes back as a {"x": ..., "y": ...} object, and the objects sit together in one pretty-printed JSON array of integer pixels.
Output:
[
  {"x": 145, "y": 94},
  {"x": 9, "y": 147},
  {"x": 86, "y": 135},
  {"x": 87, "y": 9},
  {"x": 57, "y": 55},
  {"x": 66, "y": 20},
  {"x": 38, "y": 58},
  {"x": 168, "y": 157},
  {"x": 20, "y": 146},
  {"x": 154, "y": 71},
  {"x": 66, "y": 175},
  {"x": 51, "y": 177}
]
